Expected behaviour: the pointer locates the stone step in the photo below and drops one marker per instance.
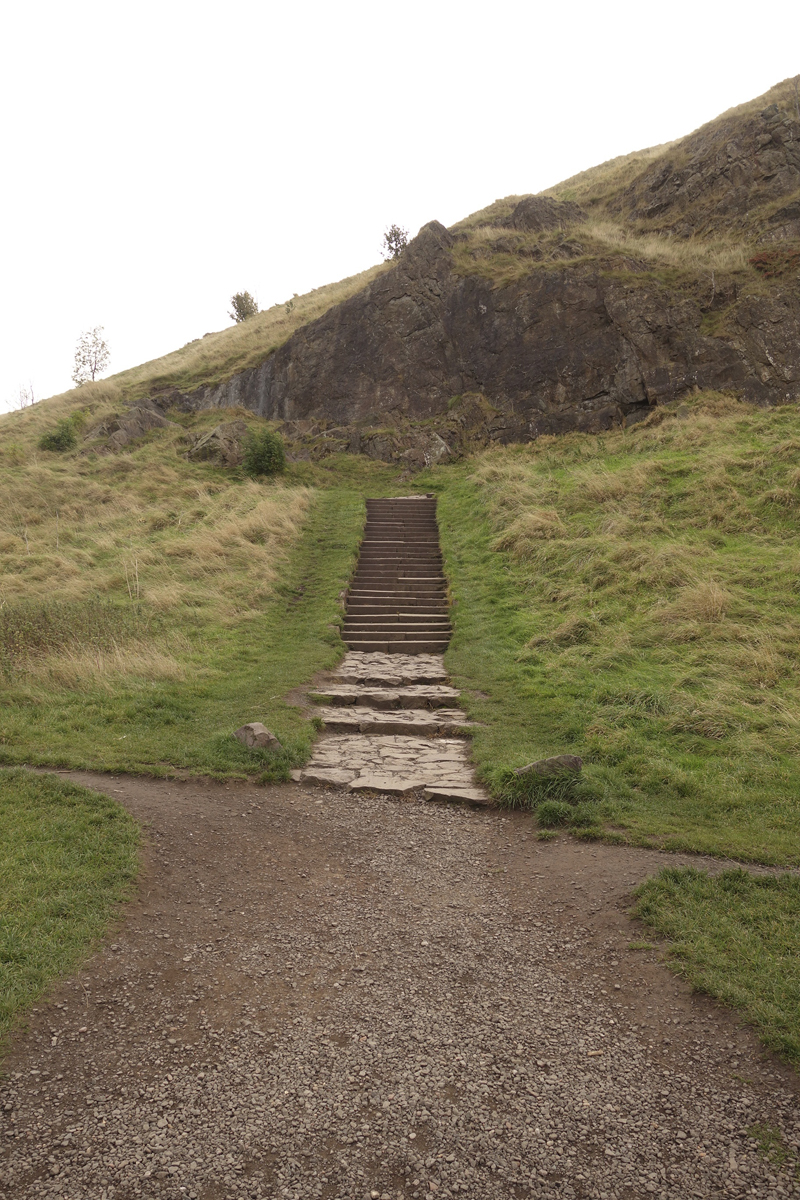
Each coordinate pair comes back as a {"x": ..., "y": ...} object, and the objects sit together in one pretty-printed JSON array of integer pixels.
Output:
[
  {"x": 413, "y": 553},
  {"x": 398, "y": 577},
  {"x": 418, "y": 695},
  {"x": 398, "y": 636},
  {"x": 395, "y": 763},
  {"x": 360, "y": 609},
  {"x": 415, "y": 620},
  {"x": 390, "y": 670},
  {"x": 417, "y": 722},
  {"x": 401, "y": 562},
  {"x": 392, "y": 599},
  {"x": 387, "y": 646},
  {"x": 455, "y": 793},
  {"x": 396, "y": 631}
]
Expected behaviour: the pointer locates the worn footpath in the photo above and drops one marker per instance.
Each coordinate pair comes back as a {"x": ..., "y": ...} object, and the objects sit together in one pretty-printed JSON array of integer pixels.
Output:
[{"x": 322, "y": 994}]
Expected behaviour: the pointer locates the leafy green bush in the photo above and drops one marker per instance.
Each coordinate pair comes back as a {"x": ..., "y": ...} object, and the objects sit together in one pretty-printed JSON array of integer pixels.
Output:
[
  {"x": 244, "y": 306},
  {"x": 263, "y": 453},
  {"x": 63, "y": 437},
  {"x": 551, "y": 813}
]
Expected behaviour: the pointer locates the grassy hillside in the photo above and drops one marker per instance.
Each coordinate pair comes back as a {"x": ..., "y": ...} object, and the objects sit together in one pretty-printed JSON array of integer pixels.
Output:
[
  {"x": 632, "y": 598},
  {"x": 150, "y": 605},
  {"x": 218, "y": 356}
]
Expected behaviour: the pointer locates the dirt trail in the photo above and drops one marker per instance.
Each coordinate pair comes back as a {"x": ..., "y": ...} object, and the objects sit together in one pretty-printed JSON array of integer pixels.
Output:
[{"x": 317, "y": 994}]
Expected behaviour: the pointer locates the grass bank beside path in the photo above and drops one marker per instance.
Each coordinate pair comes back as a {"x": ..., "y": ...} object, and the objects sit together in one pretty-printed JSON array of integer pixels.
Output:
[
  {"x": 632, "y": 598},
  {"x": 68, "y": 856},
  {"x": 736, "y": 936},
  {"x": 258, "y": 626}
]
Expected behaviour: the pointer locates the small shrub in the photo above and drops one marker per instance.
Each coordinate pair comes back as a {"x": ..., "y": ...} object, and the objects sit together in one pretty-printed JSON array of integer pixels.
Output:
[
  {"x": 773, "y": 263},
  {"x": 244, "y": 306},
  {"x": 62, "y": 438},
  {"x": 395, "y": 240},
  {"x": 552, "y": 813},
  {"x": 264, "y": 453}
]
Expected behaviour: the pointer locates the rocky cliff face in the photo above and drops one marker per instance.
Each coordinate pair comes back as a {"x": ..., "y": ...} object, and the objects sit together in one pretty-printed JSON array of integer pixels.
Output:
[
  {"x": 734, "y": 174},
  {"x": 582, "y": 344}
]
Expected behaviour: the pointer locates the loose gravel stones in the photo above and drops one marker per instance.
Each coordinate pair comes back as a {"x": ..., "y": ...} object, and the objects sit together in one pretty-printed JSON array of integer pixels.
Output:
[{"x": 346, "y": 997}]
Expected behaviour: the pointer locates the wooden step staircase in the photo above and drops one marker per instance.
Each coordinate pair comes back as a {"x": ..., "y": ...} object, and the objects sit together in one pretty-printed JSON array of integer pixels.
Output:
[{"x": 397, "y": 601}]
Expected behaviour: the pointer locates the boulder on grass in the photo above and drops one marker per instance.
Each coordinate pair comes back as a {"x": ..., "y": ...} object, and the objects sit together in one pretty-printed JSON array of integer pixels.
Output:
[
  {"x": 559, "y": 764},
  {"x": 257, "y": 737},
  {"x": 223, "y": 445}
]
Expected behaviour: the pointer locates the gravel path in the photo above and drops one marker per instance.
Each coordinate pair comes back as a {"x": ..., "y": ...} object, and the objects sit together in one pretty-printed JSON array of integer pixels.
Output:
[{"x": 326, "y": 995}]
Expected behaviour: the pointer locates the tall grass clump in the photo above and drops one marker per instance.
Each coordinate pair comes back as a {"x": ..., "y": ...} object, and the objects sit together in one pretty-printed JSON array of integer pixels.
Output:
[{"x": 36, "y": 629}]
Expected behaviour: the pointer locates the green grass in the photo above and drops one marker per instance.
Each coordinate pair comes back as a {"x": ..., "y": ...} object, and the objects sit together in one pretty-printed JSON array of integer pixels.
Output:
[
  {"x": 68, "y": 856},
  {"x": 737, "y": 937},
  {"x": 633, "y": 598},
  {"x": 231, "y": 671}
]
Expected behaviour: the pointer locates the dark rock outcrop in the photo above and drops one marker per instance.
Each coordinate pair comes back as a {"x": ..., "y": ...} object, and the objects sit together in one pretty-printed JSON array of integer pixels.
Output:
[
  {"x": 551, "y": 333},
  {"x": 117, "y": 432},
  {"x": 721, "y": 177},
  {"x": 580, "y": 347},
  {"x": 534, "y": 214},
  {"x": 223, "y": 445}
]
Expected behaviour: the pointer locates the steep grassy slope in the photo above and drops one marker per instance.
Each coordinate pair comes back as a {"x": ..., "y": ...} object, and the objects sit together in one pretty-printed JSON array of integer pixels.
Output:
[
  {"x": 632, "y": 598},
  {"x": 217, "y": 356},
  {"x": 150, "y": 605}
]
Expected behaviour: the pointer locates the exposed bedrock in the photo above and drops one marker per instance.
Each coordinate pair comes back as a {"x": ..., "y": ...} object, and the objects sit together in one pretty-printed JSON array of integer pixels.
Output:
[{"x": 566, "y": 347}]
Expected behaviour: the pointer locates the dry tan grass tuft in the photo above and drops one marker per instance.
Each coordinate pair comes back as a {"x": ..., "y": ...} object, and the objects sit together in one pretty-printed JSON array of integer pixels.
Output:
[
  {"x": 144, "y": 528},
  {"x": 719, "y": 254},
  {"x": 104, "y": 668},
  {"x": 535, "y": 525},
  {"x": 702, "y": 601}
]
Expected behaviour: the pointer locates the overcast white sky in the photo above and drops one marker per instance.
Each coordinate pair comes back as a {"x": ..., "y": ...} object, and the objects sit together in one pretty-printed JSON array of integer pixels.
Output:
[{"x": 158, "y": 157}]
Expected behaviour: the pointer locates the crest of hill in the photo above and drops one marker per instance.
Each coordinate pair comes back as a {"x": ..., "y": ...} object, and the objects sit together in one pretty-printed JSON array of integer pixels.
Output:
[
  {"x": 611, "y": 186},
  {"x": 692, "y": 216}
]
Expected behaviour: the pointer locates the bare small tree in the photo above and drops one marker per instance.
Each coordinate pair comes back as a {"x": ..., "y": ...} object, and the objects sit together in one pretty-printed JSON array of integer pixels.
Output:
[
  {"x": 395, "y": 240},
  {"x": 26, "y": 397},
  {"x": 244, "y": 307},
  {"x": 91, "y": 356}
]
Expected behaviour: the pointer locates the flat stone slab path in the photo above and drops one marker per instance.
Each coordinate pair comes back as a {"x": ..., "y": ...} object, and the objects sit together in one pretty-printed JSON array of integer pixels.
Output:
[
  {"x": 392, "y": 748},
  {"x": 321, "y": 996},
  {"x": 386, "y": 697}
]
